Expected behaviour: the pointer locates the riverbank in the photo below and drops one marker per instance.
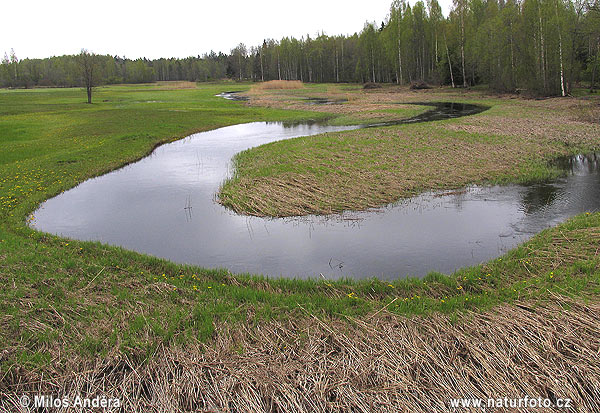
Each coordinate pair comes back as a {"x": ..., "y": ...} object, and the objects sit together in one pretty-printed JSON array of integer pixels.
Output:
[
  {"x": 513, "y": 141},
  {"x": 82, "y": 315}
]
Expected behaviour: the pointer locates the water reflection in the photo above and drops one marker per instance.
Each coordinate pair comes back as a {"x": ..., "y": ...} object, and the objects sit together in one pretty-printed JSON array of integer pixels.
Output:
[{"x": 539, "y": 196}]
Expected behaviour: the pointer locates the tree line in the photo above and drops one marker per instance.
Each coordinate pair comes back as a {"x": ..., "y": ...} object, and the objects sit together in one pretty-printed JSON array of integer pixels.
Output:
[{"x": 542, "y": 46}]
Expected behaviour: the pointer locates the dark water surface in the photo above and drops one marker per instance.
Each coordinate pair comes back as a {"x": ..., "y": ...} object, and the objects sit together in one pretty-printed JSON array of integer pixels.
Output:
[
  {"x": 233, "y": 95},
  {"x": 164, "y": 205}
]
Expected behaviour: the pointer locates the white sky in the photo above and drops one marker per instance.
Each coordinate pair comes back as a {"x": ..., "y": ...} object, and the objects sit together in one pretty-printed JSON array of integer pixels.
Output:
[{"x": 175, "y": 28}]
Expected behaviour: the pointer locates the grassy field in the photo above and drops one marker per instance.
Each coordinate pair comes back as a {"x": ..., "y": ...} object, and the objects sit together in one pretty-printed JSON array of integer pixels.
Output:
[{"x": 74, "y": 313}]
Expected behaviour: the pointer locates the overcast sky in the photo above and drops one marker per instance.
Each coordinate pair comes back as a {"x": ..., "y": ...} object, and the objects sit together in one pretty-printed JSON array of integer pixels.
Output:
[{"x": 173, "y": 28}]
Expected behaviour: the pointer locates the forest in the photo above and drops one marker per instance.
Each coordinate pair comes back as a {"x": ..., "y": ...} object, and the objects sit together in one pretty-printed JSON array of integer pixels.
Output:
[{"x": 541, "y": 47}]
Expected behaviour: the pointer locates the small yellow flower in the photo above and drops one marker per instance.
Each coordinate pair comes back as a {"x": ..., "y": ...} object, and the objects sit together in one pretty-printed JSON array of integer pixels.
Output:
[
  {"x": 459, "y": 287},
  {"x": 391, "y": 286}
]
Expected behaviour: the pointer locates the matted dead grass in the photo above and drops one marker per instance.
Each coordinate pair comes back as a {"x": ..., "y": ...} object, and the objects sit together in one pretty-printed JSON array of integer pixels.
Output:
[{"x": 382, "y": 363}]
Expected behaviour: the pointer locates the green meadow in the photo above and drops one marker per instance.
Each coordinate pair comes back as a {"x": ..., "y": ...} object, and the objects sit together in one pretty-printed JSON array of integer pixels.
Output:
[{"x": 63, "y": 298}]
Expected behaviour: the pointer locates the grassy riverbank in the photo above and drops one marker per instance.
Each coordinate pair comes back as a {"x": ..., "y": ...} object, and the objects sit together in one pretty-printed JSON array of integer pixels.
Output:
[
  {"x": 73, "y": 314},
  {"x": 513, "y": 141}
]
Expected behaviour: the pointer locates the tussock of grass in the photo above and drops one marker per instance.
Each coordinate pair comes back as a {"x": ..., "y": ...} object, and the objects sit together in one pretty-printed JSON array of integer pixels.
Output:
[{"x": 279, "y": 84}]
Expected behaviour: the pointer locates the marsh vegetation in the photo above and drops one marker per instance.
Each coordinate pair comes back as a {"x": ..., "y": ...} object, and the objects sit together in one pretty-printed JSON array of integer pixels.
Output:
[{"x": 78, "y": 315}]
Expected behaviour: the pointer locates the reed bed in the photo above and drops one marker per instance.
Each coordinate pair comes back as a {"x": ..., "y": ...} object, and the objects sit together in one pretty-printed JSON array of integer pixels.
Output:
[
  {"x": 279, "y": 84},
  {"x": 383, "y": 363}
]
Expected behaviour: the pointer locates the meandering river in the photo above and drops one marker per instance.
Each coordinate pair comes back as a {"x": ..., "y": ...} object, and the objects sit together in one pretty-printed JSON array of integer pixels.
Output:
[{"x": 164, "y": 205}]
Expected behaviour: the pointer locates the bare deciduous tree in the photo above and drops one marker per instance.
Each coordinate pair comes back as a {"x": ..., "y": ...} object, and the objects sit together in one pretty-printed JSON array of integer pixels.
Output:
[{"x": 88, "y": 64}]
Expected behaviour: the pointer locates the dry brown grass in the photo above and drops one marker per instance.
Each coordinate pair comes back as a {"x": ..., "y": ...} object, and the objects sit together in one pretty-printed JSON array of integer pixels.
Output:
[
  {"x": 391, "y": 164},
  {"x": 382, "y": 363},
  {"x": 588, "y": 112},
  {"x": 279, "y": 84}
]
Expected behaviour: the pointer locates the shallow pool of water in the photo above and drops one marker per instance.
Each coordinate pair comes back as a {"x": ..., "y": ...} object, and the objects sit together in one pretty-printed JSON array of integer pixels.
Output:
[{"x": 164, "y": 205}]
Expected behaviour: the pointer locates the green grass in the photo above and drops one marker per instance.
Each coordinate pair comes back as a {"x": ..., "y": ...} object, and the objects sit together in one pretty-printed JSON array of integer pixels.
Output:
[
  {"x": 64, "y": 297},
  {"x": 375, "y": 116}
]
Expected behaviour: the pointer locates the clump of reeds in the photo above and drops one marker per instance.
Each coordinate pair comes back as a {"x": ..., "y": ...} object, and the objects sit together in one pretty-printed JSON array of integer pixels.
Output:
[
  {"x": 176, "y": 84},
  {"x": 280, "y": 84},
  {"x": 382, "y": 363}
]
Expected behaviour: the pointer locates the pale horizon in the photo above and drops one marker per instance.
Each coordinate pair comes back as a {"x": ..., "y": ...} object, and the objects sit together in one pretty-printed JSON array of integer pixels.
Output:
[{"x": 183, "y": 29}]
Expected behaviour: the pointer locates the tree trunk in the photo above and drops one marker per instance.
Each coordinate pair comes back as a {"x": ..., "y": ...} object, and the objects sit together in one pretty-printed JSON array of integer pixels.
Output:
[
  {"x": 462, "y": 45},
  {"x": 542, "y": 52},
  {"x": 343, "y": 77},
  {"x": 400, "y": 59},
  {"x": 560, "y": 55},
  {"x": 423, "y": 63},
  {"x": 278, "y": 66},
  {"x": 512, "y": 60},
  {"x": 592, "y": 86},
  {"x": 449, "y": 62},
  {"x": 373, "y": 64},
  {"x": 437, "y": 59},
  {"x": 337, "y": 67},
  {"x": 262, "y": 70},
  {"x": 399, "y": 47}
]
